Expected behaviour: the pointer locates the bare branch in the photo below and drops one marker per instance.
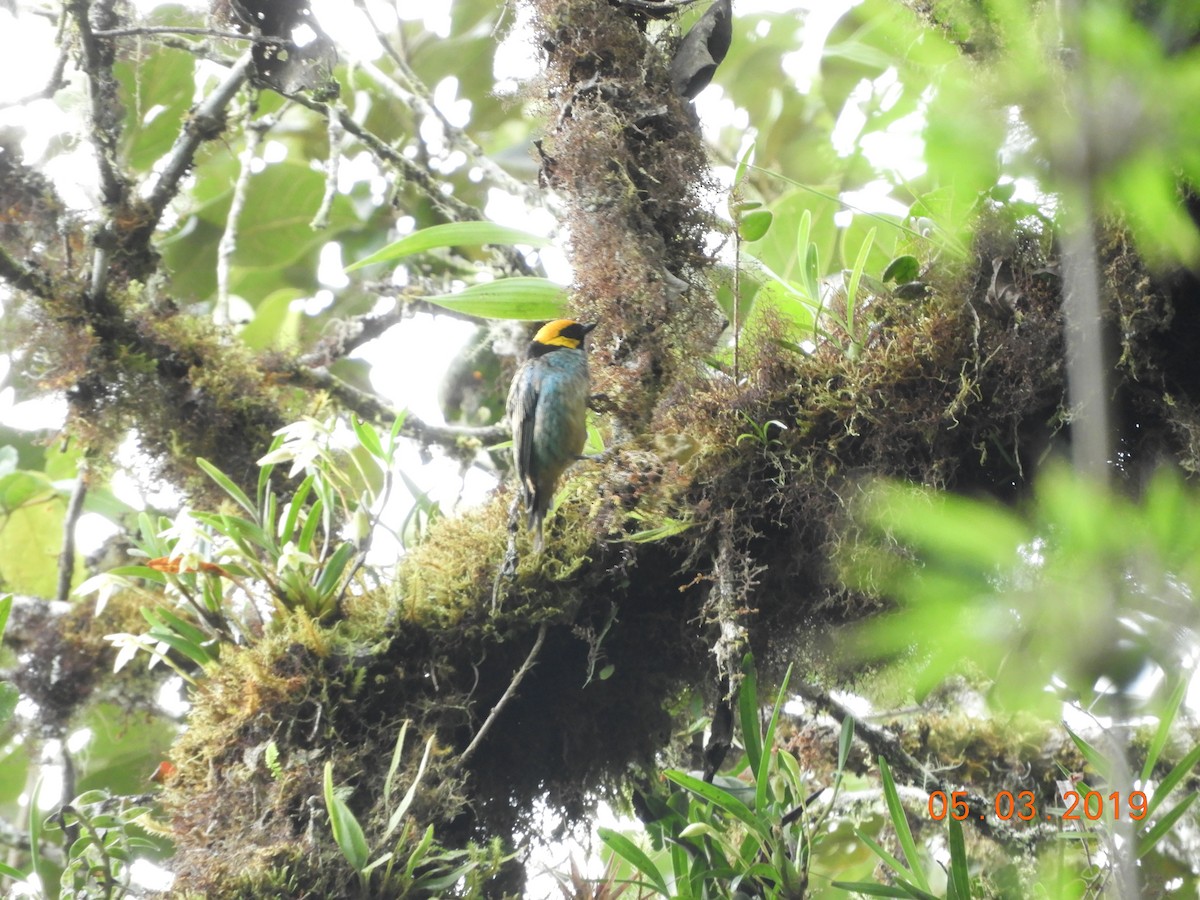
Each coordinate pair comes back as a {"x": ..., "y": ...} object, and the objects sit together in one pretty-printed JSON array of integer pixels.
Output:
[
  {"x": 450, "y": 206},
  {"x": 371, "y": 408},
  {"x": 102, "y": 94},
  {"x": 504, "y": 699},
  {"x": 66, "y": 559},
  {"x": 336, "y": 133},
  {"x": 175, "y": 29},
  {"x": 228, "y": 243},
  {"x": 204, "y": 124},
  {"x": 53, "y": 86},
  {"x": 418, "y": 96}
]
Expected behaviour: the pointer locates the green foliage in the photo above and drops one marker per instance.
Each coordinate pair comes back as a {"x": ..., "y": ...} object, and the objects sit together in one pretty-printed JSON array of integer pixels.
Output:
[
  {"x": 413, "y": 867},
  {"x": 104, "y": 840},
  {"x": 288, "y": 548},
  {"x": 450, "y": 234},
  {"x": 524, "y": 298},
  {"x": 756, "y": 833},
  {"x": 992, "y": 589}
]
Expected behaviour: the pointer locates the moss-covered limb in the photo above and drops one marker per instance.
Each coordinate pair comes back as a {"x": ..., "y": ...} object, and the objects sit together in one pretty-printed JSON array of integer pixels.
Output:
[
  {"x": 179, "y": 381},
  {"x": 626, "y": 155}
]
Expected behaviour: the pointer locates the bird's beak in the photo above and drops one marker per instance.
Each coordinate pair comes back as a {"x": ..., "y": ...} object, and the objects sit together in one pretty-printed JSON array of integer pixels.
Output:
[{"x": 587, "y": 329}]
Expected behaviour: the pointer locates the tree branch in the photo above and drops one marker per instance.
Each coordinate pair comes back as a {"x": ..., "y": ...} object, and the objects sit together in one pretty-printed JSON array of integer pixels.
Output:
[
  {"x": 370, "y": 407},
  {"x": 466, "y": 755},
  {"x": 881, "y": 743},
  {"x": 205, "y": 123},
  {"x": 66, "y": 559},
  {"x": 22, "y": 278}
]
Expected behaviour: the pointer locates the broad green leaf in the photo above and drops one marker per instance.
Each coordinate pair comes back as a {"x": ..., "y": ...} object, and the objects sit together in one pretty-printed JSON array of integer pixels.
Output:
[
  {"x": 451, "y": 234},
  {"x": 9, "y": 695},
  {"x": 754, "y": 225},
  {"x": 157, "y": 88},
  {"x": 20, "y": 488},
  {"x": 30, "y": 540},
  {"x": 522, "y": 298},
  {"x": 276, "y": 324},
  {"x": 902, "y": 270}
]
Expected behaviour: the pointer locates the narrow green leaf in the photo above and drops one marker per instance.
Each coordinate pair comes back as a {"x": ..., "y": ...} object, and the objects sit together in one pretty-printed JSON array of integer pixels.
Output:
[
  {"x": 889, "y": 860},
  {"x": 743, "y": 163},
  {"x": 192, "y": 651},
  {"x": 960, "y": 875},
  {"x": 304, "y": 542},
  {"x": 394, "y": 766},
  {"x": 264, "y": 472},
  {"x": 335, "y": 567},
  {"x": 168, "y": 618},
  {"x": 406, "y": 801},
  {"x": 1160, "y": 828},
  {"x": 763, "y": 792},
  {"x": 15, "y": 874},
  {"x": 722, "y": 799},
  {"x": 900, "y": 822},
  {"x": 227, "y": 486},
  {"x": 450, "y": 234},
  {"x": 748, "y": 712},
  {"x": 636, "y": 857},
  {"x": 294, "y": 506},
  {"x": 871, "y": 889},
  {"x": 347, "y": 833},
  {"x": 1165, "y": 721},
  {"x": 1180, "y": 771},
  {"x": 1095, "y": 758},
  {"x": 5, "y": 608},
  {"x": 845, "y": 742}
]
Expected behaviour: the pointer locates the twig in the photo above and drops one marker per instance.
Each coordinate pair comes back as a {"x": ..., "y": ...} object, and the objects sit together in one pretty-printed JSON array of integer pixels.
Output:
[
  {"x": 503, "y": 701},
  {"x": 228, "y": 243},
  {"x": 415, "y": 175},
  {"x": 104, "y": 122},
  {"x": 336, "y": 133},
  {"x": 417, "y": 95},
  {"x": 175, "y": 29},
  {"x": 204, "y": 124},
  {"x": 66, "y": 559},
  {"x": 102, "y": 94},
  {"x": 371, "y": 408},
  {"x": 52, "y": 87}
]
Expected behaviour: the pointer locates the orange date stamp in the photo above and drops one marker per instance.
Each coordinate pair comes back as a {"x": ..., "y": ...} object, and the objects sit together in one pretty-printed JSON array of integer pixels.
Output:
[{"x": 1088, "y": 806}]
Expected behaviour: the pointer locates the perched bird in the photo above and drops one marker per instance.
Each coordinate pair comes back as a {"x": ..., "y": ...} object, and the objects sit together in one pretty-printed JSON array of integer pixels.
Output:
[{"x": 547, "y": 407}]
